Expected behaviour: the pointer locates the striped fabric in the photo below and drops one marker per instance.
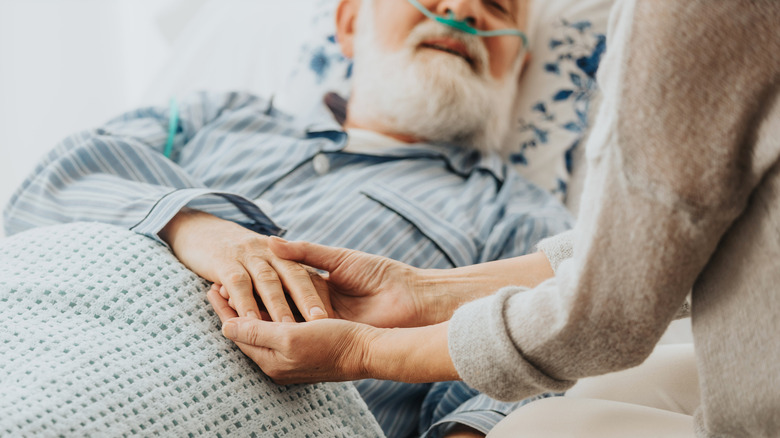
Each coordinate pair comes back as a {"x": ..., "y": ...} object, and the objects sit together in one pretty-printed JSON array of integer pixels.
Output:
[
  {"x": 237, "y": 157},
  {"x": 448, "y": 403}
]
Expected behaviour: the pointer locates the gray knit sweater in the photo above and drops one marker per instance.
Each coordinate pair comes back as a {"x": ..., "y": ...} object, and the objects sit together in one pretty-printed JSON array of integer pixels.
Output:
[{"x": 682, "y": 191}]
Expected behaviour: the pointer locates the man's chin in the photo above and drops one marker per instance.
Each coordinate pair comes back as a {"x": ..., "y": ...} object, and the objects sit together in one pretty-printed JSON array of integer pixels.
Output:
[
  {"x": 444, "y": 64},
  {"x": 429, "y": 56}
]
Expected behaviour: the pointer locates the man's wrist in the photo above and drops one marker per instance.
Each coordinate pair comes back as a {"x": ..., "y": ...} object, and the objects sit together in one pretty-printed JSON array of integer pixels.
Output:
[{"x": 170, "y": 230}]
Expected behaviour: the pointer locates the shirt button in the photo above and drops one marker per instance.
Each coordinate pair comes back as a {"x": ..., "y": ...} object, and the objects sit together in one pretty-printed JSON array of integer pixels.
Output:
[
  {"x": 321, "y": 164},
  {"x": 265, "y": 206}
]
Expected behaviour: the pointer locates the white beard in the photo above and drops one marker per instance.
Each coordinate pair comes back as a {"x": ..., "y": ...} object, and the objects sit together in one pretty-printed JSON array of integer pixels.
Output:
[{"x": 431, "y": 95}]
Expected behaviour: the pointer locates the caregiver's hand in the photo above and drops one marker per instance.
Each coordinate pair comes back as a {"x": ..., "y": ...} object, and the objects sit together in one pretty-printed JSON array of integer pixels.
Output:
[
  {"x": 333, "y": 350},
  {"x": 385, "y": 293},
  {"x": 371, "y": 289},
  {"x": 228, "y": 254}
]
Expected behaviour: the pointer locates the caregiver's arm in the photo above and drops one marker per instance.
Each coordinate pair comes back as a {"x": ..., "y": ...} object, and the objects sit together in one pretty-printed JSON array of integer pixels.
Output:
[
  {"x": 363, "y": 286},
  {"x": 672, "y": 162}
]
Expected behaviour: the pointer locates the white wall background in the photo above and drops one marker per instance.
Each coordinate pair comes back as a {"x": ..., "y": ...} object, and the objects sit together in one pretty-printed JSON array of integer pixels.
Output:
[{"x": 67, "y": 65}]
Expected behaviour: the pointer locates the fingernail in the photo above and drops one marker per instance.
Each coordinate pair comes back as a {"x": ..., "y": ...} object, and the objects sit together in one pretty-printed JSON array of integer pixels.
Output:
[
  {"x": 251, "y": 314},
  {"x": 287, "y": 319},
  {"x": 317, "y": 311},
  {"x": 230, "y": 329}
]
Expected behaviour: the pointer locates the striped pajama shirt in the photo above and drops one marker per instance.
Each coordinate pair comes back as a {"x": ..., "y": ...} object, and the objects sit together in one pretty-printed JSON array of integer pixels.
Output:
[{"x": 237, "y": 157}]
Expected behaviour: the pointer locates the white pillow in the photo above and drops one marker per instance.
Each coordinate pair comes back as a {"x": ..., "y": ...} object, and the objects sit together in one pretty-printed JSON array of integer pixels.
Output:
[{"x": 567, "y": 41}]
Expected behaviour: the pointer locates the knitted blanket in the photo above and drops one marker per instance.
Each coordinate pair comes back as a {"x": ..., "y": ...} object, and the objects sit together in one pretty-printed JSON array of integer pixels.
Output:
[{"x": 104, "y": 333}]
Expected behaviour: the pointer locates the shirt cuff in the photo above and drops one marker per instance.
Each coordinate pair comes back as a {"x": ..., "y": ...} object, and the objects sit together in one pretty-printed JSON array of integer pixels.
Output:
[
  {"x": 485, "y": 356},
  {"x": 481, "y": 420},
  {"x": 558, "y": 248},
  {"x": 480, "y": 413},
  {"x": 228, "y": 206}
]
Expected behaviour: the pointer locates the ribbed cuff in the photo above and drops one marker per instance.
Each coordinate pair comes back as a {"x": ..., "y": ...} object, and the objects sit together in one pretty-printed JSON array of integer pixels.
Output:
[
  {"x": 558, "y": 248},
  {"x": 485, "y": 356}
]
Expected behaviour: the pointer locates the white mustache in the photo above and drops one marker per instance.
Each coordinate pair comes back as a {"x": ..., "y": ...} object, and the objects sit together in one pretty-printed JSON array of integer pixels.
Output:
[{"x": 428, "y": 30}]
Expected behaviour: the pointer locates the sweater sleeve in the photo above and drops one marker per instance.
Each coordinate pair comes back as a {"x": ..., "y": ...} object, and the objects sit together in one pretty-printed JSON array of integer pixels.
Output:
[
  {"x": 557, "y": 248},
  {"x": 560, "y": 247},
  {"x": 659, "y": 195}
]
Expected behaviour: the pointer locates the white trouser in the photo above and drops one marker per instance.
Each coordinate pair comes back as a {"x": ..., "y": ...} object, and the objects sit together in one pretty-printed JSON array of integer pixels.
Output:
[{"x": 655, "y": 399}]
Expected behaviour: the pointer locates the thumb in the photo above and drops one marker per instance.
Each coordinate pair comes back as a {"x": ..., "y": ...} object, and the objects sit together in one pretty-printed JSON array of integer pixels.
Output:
[
  {"x": 252, "y": 331},
  {"x": 317, "y": 256}
]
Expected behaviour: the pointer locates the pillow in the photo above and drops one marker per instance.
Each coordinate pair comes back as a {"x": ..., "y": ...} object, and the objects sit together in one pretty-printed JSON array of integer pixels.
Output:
[{"x": 567, "y": 39}]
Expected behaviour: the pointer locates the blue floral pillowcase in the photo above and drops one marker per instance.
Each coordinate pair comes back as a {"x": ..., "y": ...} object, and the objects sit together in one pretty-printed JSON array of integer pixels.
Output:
[{"x": 556, "y": 95}]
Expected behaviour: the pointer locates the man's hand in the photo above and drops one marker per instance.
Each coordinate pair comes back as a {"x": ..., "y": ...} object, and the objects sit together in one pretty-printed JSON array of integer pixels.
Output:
[
  {"x": 230, "y": 255},
  {"x": 367, "y": 288}
]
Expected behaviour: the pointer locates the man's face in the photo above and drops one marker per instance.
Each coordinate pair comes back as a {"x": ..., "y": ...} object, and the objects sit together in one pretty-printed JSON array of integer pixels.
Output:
[
  {"x": 395, "y": 20},
  {"x": 418, "y": 78}
]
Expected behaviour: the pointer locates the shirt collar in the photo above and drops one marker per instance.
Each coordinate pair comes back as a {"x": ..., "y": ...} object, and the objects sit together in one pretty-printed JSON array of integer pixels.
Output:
[{"x": 321, "y": 124}]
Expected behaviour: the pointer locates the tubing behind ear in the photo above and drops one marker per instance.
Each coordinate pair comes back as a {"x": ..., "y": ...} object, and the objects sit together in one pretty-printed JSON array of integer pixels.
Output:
[{"x": 463, "y": 26}]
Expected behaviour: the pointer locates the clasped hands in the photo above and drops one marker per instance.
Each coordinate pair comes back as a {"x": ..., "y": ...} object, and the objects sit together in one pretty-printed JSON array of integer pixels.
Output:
[{"x": 349, "y": 311}]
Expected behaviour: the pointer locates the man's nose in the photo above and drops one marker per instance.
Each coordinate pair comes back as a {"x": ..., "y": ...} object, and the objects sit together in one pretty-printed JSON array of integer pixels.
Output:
[{"x": 464, "y": 10}]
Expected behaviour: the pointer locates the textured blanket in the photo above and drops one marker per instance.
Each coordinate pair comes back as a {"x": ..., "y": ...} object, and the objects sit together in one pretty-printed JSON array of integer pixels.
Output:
[{"x": 103, "y": 332}]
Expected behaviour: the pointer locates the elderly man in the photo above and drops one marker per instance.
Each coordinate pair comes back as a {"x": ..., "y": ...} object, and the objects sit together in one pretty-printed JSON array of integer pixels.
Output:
[{"x": 413, "y": 174}]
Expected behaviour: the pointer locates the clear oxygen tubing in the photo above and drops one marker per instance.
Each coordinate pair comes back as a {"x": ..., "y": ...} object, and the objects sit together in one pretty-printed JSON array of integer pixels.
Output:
[
  {"x": 463, "y": 26},
  {"x": 173, "y": 126}
]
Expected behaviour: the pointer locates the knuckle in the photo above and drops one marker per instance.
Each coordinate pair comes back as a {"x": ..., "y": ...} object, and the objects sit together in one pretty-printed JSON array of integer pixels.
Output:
[
  {"x": 237, "y": 277},
  {"x": 311, "y": 301},
  {"x": 303, "y": 291},
  {"x": 272, "y": 297},
  {"x": 277, "y": 310},
  {"x": 348, "y": 255},
  {"x": 253, "y": 335},
  {"x": 249, "y": 241},
  {"x": 347, "y": 259},
  {"x": 312, "y": 273},
  {"x": 266, "y": 274},
  {"x": 300, "y": 275},
  {"x": 286, "y": 343}
]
